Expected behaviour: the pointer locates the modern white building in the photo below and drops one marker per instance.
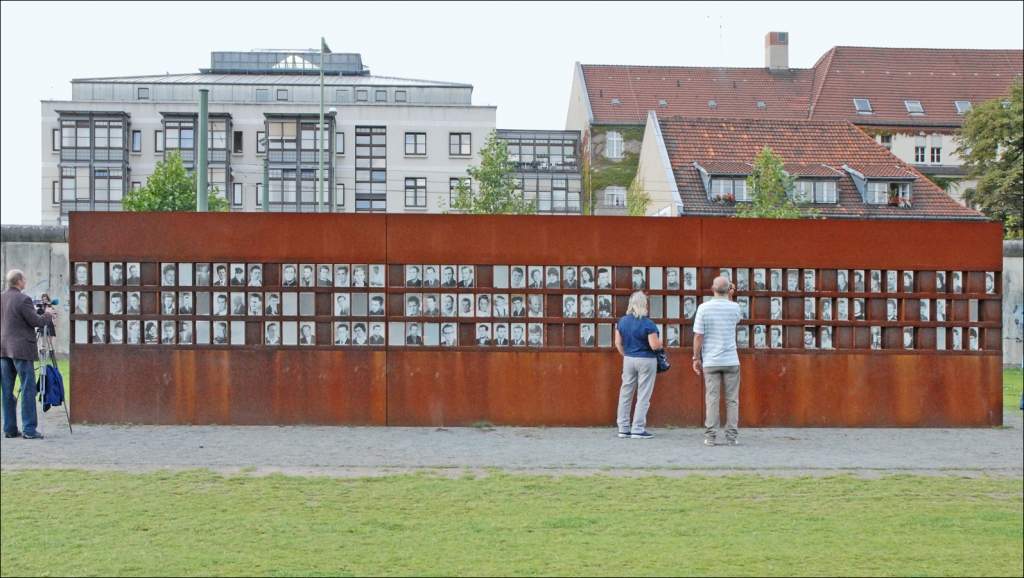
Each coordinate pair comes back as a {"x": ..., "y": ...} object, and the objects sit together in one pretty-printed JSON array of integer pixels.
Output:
[{"x": 397, "y": 145}]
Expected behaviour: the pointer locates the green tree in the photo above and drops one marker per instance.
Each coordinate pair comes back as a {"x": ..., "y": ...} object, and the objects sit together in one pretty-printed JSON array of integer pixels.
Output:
[
  {"x": 637, "y": 198},
  {"x": 770, "y": 186},
  {"x": 170, "y": 188},
  {"x": 990, "y": 144},
  {"x": 496, "y": 184}
]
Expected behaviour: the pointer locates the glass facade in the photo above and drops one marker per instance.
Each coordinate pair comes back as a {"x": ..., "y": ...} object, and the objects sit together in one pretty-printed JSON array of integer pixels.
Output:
[{"x": 548, "y": 168}]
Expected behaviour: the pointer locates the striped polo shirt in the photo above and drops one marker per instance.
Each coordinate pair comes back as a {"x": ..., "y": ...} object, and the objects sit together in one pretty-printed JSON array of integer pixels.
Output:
[{"x": 716, "y": 320}]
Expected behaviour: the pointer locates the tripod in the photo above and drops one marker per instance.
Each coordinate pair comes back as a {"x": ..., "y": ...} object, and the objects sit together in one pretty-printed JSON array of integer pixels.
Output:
[{"x": 48, "y": 354}]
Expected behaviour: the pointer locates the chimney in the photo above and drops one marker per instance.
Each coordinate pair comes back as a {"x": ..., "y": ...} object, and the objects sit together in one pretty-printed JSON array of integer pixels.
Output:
[{"x": 776, "y": 51}]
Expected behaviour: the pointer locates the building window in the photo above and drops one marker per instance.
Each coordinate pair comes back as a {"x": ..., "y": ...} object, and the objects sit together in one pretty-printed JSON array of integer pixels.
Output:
[
  {"x": 339, "y": 195},
  {"x": 262, "y": 95},
  {"x": 261, "y": 142},
  {"x": 913, "y": 107},
  {"x": 936, "y": 154},
  {"x": 399, "y": 96},
  {"x": 453, "y": 185},
  {"x": 282, "y": 138},
  {"x": 615, "y": 196},
  {"x": 371, "y": 168},
  {"x": 237, "y": 194},
  {"x": 55, "y": 140},
  {"x": 881, "y": 193},
  {"x": 887, "y": 141},
  {"x": 962, "y": 106},
  {"x": 825, "y": 192},
  {"x": 735, "y": 188},
  {"x": 803, "y": 191},
  {"x": 75, "y": 134},
  {"x": 237, "y": 142},
  {"x": 217, "y": 137},
  {"x": 74, "y": 184},
  {"x": 109, "y": 134},
  {"x": 108, "y": 184},
  {"x": 259, "y": 194},
  {"x": 613, "y": 146},
  {"x": 459, "y": 144},
  {"x": 136, "y": 141},
  {"x": 310, "y": 130},
  {"x": 136, "y": 185},
  {"x": 381, "y": 96},
  {"x": 158, "y": 141},
  {"x": 416, "y": 143},
  {"x": 181, "y": 136},
  {"x": 143, "y": 93},
  {"x": 415, "y": 192},
  {"x": 919, "y": 154},
  {"x": 362, "y": 95},
  {"x": 862, "y": 105},
  {"x": 282, "y": 94},
  {"x": 55, "y": 199},
  {"x": 216, "y": 182},
  {"x": 339, "y": 143}
]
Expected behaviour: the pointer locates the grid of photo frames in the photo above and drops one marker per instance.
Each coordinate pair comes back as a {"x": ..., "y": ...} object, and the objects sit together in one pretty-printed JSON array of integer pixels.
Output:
[{"x": 494, "y": 306}]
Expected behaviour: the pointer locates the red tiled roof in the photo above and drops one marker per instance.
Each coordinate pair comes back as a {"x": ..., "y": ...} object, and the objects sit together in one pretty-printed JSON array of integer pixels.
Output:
[
  {"x": 812, "y": 170},
  {"x": 800, "y": 144},
  {"x": 885, "y": 76},
  {"x": 726, "y": 168},
  {"x": 889, "y": 171}
]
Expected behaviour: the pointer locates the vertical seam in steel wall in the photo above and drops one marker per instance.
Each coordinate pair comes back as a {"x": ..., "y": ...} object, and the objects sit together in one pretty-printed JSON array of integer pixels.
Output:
[{"x": 387, "y": 347}]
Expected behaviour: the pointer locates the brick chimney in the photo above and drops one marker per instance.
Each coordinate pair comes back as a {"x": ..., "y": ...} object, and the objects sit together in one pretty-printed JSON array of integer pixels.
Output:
[{"x": 776, "y": 51}]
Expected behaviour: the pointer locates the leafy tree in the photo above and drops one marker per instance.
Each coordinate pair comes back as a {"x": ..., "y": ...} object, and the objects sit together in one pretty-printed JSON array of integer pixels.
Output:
[
  {"x": 770, "y": 187},
  {"x": 496, "y": 181},
  {"x": 170, "y": 188},
  {"x": 990, "y": 143},
  {"x": 637, "y": 198}
]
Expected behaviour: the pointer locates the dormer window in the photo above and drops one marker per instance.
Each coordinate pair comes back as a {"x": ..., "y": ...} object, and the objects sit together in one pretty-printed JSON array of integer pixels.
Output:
[
  {"x": 808, "y": 191},
  {"x": 913, "y": 107},
  {"x": 729, "y": 189},
  {"x": 862, "y": 105},
  {"x": 962, "y": 106},
  {"x": 886, "y": 193}
]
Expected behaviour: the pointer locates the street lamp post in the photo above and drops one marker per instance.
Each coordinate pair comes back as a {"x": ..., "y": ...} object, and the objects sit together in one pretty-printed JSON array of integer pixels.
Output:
[{"x": 323, "y": 50}]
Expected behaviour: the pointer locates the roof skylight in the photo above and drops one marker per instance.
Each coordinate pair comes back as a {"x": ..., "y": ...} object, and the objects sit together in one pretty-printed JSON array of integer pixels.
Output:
[
  {"x": 862, "y": 105},
  {"x": 913, "y": 106},
  {"x": 712, "y": 103},
  {"x": 615, "y": 101},
  {"x": 962, "y": 106},
  {"x": 662, "y": 102}
]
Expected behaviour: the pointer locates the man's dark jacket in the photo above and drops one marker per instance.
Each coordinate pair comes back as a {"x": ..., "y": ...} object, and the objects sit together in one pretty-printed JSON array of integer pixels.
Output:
[{"x": 17, "y": 326}]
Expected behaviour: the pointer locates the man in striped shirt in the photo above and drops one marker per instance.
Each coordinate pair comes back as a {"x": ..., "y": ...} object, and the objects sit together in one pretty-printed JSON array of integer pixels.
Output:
[{"x": 714, "y": 354}]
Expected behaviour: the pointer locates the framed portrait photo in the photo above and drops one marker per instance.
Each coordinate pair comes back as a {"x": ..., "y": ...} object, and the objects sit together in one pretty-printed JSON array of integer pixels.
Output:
[
  {"x": 743, "y": 279},
  {"x": 272, "y": 333},
  {"x": 220, "y": 274},
  {"x": 342, "y": 333}
]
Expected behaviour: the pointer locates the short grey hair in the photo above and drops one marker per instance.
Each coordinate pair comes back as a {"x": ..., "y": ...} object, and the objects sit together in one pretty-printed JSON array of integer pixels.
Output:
[
  {"x": 720, "y": 285},
  {"x": 637, "y": 305},
  {"x": 14, "y": 276}
]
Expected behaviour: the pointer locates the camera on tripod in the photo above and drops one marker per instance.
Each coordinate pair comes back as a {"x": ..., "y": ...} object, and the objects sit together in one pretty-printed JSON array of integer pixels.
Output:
[{"x": 41, "y": 305}]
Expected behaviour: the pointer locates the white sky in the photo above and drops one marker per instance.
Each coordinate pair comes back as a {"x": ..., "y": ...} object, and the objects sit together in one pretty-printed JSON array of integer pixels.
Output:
[{"x": 518, "y": 56}]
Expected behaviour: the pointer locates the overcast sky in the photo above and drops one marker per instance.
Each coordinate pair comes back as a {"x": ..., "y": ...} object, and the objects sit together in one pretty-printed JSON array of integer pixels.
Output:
[{"x": 518, "y": 56}]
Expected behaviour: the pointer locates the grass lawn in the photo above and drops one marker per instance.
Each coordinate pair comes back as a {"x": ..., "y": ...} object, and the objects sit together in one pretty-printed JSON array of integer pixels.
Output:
[
  {"x": 72, "y": 522},
  {"x": 1013, "y": 383}
]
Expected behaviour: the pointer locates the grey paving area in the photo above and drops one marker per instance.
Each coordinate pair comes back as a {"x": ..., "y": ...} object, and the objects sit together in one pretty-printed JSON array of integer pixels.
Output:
[{"x": 355, "y": 451}]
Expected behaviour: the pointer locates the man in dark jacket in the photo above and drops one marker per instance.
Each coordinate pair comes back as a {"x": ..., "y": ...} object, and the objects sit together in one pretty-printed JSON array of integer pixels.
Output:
[{"x": 18, "y": 352}]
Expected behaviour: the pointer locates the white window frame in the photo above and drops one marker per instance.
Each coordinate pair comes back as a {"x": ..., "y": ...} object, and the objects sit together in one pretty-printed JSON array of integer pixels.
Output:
[
  {"x": 237, "y": 194},
  {"x": 877, "y": 193},
  {"x": 615, "y": 196},
  {"x": 886, "y": 140},
  {"x": 826, "y": 191},
  {"x": 936, "y": 155},
  {"x": 803, "y": 191},
  {"x": 259, "y": 195},
  {"x": 613, "y": 145},
  {"x": 919, "y": 154}
]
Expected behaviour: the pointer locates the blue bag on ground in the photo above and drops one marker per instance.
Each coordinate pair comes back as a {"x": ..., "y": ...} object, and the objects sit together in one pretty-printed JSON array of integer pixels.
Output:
[{"x": 54, "y": 394}]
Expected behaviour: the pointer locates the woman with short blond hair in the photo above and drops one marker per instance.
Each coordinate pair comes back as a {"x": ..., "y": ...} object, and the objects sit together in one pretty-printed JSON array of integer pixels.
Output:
[{"x": 637, "y": 339}]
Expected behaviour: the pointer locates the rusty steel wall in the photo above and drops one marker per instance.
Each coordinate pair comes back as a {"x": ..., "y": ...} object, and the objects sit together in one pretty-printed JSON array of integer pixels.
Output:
[{"x": 563, "y": 382}]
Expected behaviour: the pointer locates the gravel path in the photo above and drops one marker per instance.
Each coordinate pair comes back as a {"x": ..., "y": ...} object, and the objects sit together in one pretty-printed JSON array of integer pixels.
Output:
[{"x": 357, "y": 451}]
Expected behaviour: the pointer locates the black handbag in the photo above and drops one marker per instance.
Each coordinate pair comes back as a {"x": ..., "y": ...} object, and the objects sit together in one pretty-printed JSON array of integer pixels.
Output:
[{"x": 663, "y": 364}]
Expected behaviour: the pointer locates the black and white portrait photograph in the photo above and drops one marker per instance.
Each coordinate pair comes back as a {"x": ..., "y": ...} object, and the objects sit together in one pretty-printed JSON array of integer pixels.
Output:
[
  {"x": 672, "y": 280},
  {"x": 220, "y": 274},
  {"x": 467, "y": 276},
  {"x": 341, "y": 333},
  {"x": 82, "y": 302},
  {"x": 908, "y": 281},
  {"x": 377, "y": 305},
  {"x": 842, "y": 309},
  {"x": 448, "y": 276},
  {"x": 760, "y": 281},
  {"x": 185, "y": 274},
  {"x": 588, "y": 279},
  {"x": 958, "y": 285},
  {"x": 117, "y": 332},
  {"x": 99, "y": 332},
  {"x": 809, "y": 338},
  {"x": 204, "y": 274},
  {"x": 958, "y": 342},
  {"x": 483, "y": 305},
  {"x": 185, "y": 303},
  {"x": 117, "y": 303},
  {"x": 604, "y": 306},
  {"x": 940, "y": 310},
  {"x": 672, "y": 336},
  {"x": 220, "y": 332},
  {"x": 81, "y": 274},
  {"x": 133, "y": 277},
  {"x": 414, "y": 334},
  {"x": 483, "y": 334},
  {"x": 744, "y": 303},
  {"x": 99, "y": 303},
  {"x": 826, "y": 309},
  {"x": 307, "y": 333},
  {"x": 152, "y": 333},
  {"x": 168, "y": 275},
  {"x": 431, "y": 305},
  {"x": 569, "y": 278},
  {"x": 448, "y": 308},
  {"x": 842, "y": 280},
  {"x": 518, "y": 335},
  {"x": 587, "y": 337},
  {"x": 743, "y": 279},
  {"x": 413, "y": 305},
  {"x": 776, "y": 307},
  {"x": 360, "y": 336},
  {"x": 237, "y": 275},
  {"x": 535, "y": 337},
  {"x": 517, "y": 276},
  {"x": 272, "y": 306},
  {"x": 449, "y": 335},
  {"x": 809, "y": 281},
  {"x": 518, "y": 303},
  {"x": 925, "y": 310},
  {"x": 134, "y": 303},
  {"x": 431, "y": 276},
  {"x": 359, "y": 276},
  {"x": 792, "y": 280},
  {"x": 973, "y": 341},
  {"x": 826, "y": 338},
  {"x": 569, "y": 306},
  {"x": 940, "y": 281},
  {"x": 891, "y": 310},
  {"x": 536, "y": 277},
  {"x": 604, "y": 277},
  {"x": 500, "y": 335},
  {"x": 134, "y": 332},
  {"x": 536, "y": 306},
  {"x": 858, "y": 281},
  {"x": 638, "y": 280},
  {"x": 116, "y": 274},
  {"x": 272, "y": 333},
  {"x": 376, "y": 275},
  {"x": 238, "y": 303},
  {"x": 743, "y": 336},
  {"x": 990, "y": 283},
  {"x": 727, "y": 273},
  {"x": 167, "y": 331},
  {"x": 167, "y": 304},
  {"x": 908, "y": 338},
  {"x": 220, "y": 304},
  {"x": 184, "y": 332},
  {"x": 858, "y": 310},
  {"x": 876, "y": 281},
  {"x": 760, "y": 338},
  {"x": 307, "y": 275},
  {"x": 413, "y": 276},
  {"x": 341, "y": 278},
  {"x": 890, "y": 281},
  {"x": 466, "y": 305},
  {"x": 876, "y": 337},
  {"x": 689, "y": 307},
  {"x": 776, "y": 336},
  {"x": 255, "y": 306},
  {"x": 500, "y": 307},
  {"x": 587, "y": 308},
  {"x": 776, "y": 280}
]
